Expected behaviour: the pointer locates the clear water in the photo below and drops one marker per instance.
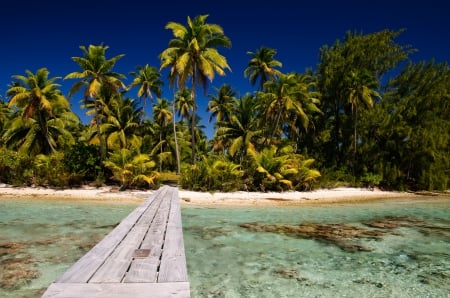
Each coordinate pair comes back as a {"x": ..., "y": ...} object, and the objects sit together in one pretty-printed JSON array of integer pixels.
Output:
[{"x": 40, "y": 239}]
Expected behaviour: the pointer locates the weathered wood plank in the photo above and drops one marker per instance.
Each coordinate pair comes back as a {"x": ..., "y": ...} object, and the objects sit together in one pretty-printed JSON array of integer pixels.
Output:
[
  {"x": 115, "y": 267},
  {"x": 144, "y": 269},
  {"x": 85, "y": 267},
  {"x": 118, "y": 290},
  {"x": 173, "y": 261}
]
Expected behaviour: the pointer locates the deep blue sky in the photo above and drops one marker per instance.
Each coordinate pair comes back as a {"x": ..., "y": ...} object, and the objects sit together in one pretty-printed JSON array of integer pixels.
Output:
[{"x": 47, "y": 34}]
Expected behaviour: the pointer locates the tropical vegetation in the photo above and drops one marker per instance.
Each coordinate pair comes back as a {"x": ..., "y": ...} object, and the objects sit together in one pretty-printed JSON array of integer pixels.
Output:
[{"x": 366, "y": 116}]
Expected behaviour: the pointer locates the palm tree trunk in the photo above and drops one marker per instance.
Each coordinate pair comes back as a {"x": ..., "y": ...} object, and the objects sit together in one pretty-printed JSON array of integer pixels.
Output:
[
  {"x": 44, "y": 129},
  {"x": 193, "y": 120},
  {"x": 100, "y": 135},
  {"x": 277, "y": 122},
  {"x": 354, "y": 139},
  {"x": 336, "y": 127},
  {"x": 160, "y": 150},
  {"x": 356, "y": 123},
  {"x": 176, "y": 140}
]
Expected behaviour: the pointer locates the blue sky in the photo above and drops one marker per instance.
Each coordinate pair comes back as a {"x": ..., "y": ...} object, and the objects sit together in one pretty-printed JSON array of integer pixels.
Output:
[{"x": 47, "y": 34}]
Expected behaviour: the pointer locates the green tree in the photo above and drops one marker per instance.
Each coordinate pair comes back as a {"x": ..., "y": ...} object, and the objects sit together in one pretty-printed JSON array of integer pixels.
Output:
[
  {"x": 360, "y": 93},
  {"x": 96, "y": 75},
  {"x": 184, "y": 103},
  {"x": 377, "y": 54},
  {"x": 222, "y": 105},
  {"x": 262, "y": 66},
  {"x": 284, "y": 100},
  {"x": 42, "y": 117},
  {"x": 415, "y": 137},
  {"x": 240, "y": 132},
  {"x": 121, "y": 125},
  {"x": 82, "y": 160},
  {"x": 162, "y": 116},
  {"x": 148, "y": 79},
  {"x": 5, "y": 113},
  {"x": 131, "y": 168},
  {"x": 193, "y": 54}
]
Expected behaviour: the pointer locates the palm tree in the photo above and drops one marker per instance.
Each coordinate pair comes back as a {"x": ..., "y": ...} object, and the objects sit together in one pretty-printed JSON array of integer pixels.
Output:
[
  {"x": 40, "y": 105},
  {"x": 286, "y": 97},
  {"x": 193, "y": 54},
  {"x": 131, "y": 168},
  {"x": 223, "y": 104},
  {"x": 96, "y": 75},
  {"x": 184, "y": 103},
  {"x": 238, "y": 134},
  {"x": 278, "y": 168},
  {"x": 121, "y": 124},
  {"x": 162, "y": 116},
  {"x": 262, "y": 66},
  {"x": 308, "y": 99},
  {"x": 360, "y": 92},
  {"x": 148, "y": 79},
  {"x": 28, "y": 137},
  {"x": 5, "y": 112}
]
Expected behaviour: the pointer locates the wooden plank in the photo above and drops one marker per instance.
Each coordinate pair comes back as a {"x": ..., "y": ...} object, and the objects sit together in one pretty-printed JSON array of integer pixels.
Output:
[
  {"x": 146, "y": 269},
  {"x": 118, "y": 290},
  {"x": 173, "y": 261},
  {"x": 117, "y": 264},
  {"x": 85, "y": 267}
]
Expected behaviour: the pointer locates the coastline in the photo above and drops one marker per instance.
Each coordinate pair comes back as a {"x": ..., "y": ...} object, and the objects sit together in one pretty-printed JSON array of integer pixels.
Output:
[{"x": 240, "y": 198}]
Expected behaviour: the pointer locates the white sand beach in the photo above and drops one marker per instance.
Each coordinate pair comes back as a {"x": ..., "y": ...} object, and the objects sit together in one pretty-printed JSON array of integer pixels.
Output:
[{"x": 239, "y": 198}]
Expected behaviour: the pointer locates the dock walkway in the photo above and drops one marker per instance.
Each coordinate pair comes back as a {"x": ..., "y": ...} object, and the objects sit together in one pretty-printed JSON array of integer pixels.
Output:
[{"x": 142, "y": 257}]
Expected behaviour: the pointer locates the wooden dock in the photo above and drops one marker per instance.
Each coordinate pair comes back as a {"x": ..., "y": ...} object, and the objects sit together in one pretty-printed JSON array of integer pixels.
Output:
[{"x": 142, "y": 257}]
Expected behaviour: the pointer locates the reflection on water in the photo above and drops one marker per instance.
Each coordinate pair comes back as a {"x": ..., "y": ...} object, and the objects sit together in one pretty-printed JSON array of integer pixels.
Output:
[{"x": 376, "y": 249}]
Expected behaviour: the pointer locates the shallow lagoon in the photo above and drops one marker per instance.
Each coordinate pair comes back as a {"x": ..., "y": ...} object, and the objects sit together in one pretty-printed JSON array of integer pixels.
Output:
[{"x": 40, "y": 239}]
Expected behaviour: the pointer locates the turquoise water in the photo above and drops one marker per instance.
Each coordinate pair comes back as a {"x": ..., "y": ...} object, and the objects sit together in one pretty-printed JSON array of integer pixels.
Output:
[
  {"x": 40, "y": 239},
  {"x": 231, "y": 253}
]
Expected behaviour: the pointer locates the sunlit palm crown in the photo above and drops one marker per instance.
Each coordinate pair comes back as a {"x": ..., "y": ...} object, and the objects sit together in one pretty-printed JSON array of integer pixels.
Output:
[
  {"x": 35, "y": 92},
  {"x": 96, "y": 71},
  {"x": 193, "y": 51},
  {"x": 262, "y": 66}
]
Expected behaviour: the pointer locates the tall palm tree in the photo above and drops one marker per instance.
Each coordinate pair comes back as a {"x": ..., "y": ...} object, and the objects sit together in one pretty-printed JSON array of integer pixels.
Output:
[
  {"x": 262, "y": 66},
  {"x": 162, "y": 116},
  {"x": 223, "y": 104},
  {"x": 148, "y": 79},
  {"x": 96, "y": 75},
  {"x": 193, "y": 54},
  {"x": 38, "y": 101},
  {"x": 182, "y": 103},
  {"x": 360, "y": 92}
]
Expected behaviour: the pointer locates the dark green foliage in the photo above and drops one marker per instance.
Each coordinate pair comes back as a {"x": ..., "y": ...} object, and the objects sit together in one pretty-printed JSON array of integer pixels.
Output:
[
  {"x": 15, "y": 168},
  {"x": 417, "y": 133},
  {"x": 48, "y": 170},
  {"x": 83, "y": 160},
  {"x": 373, "y": 55}
]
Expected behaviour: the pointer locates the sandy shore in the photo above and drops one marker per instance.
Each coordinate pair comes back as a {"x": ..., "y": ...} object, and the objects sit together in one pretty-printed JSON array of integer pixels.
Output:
[{"x": 240, "y": 198}]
